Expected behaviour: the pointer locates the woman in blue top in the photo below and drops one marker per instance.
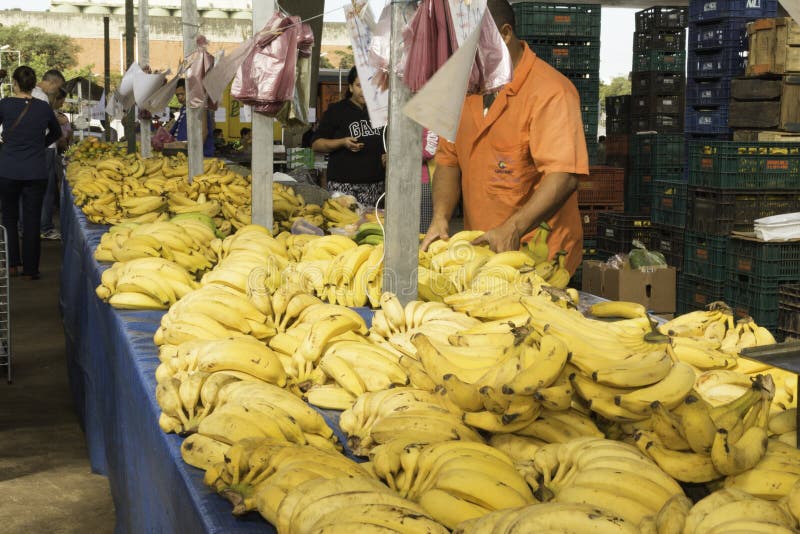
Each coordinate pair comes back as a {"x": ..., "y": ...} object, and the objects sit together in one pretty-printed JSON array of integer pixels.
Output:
[
  {"x": 29, "y": 127},
  {"x": 179, "y": 128}
]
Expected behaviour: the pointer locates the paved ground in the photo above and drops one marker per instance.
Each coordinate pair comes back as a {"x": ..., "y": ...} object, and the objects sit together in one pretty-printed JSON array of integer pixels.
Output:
[{"x": 46, "y": 485}]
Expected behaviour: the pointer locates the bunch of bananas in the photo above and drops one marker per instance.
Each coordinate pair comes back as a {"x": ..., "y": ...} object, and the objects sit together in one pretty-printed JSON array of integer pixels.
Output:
[
  {"x": 730, "y": 510},
  {"x": 151, "y": 283},
  {"x": 451, "y": 479},
  {"x": 185, "y": 240},
  {"x": 289, "y": 207},
  {"x": 774, "y": 477},
  {"x": 369, "y": 233},
  {"x": 718, "y": 326},
  {"x": 614, "y": 477},
  {"x": 341, "y": 211}
]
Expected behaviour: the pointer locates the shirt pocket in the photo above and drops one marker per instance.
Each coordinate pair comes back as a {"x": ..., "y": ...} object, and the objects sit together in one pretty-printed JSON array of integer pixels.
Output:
[{"x": 510, "y": 173}]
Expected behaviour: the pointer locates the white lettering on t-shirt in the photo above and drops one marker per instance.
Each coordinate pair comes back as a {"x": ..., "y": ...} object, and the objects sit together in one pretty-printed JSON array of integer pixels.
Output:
[{"x": 362, "y": 129}]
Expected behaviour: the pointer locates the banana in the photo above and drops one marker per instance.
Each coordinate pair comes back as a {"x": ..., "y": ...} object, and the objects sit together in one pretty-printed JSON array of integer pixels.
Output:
[
  {"x": 553, "y": 354},
  {"x": 343, "y": 373},
  {"x": 330, "y": 396},
  {"x": 748, "y": 509},
  {"x": 202, "y": 451},
  {"x": 632, "y": 511},
  {"x": 135, "y": 301},
  {"x": 732, "y": 459},
  {"x": 667, "y": 427},
  {"x": 556, "y": 397},
  {"x": 627, "y": 310},
  {"x": 653, "y": 367},
  {"x": 784, "y": 421},
  {"x": 683, "y": 466},
  {"x": 672, "y": 516},
  {"x": 670, "y": 391},
  {"x": 246, "y": 356}
]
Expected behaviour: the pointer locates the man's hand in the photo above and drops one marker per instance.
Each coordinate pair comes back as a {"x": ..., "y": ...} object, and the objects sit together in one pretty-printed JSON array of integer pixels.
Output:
[
  {"x": 352, "y": 144},
  {"x": 500, "y": 239},
  {"x": 383, "y": 159},
  {"x": 439, "y": 229}
]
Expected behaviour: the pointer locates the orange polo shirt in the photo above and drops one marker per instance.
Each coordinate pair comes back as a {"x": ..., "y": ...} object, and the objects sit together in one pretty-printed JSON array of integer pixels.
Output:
[{"x": 532, "y": 129}]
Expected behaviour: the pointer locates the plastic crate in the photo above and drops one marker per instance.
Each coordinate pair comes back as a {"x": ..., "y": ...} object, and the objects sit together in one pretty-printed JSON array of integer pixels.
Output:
[
  {"x": 658, "y": 83},
  {"x": 616, "y": 160},
  {"x": 604, "y": 186},
  {"x": 754, "y": 297},
  {"x": 789, "y": 310},
  {"x": 708, "y": 93},
  {"x": 661, "y": 17},
  {"x": 722, "y": 211},
  {"x": 722, "y": 63},
  {"x": 718, "y": 34},
  {"x": 651, "y": 150},
  {"x": 618, "y": 125},
  {"x": 574, "y": 20},
  {"x": 648, "y": 104},
  {"x": 659, "y": 122},
  {"x": 586, "y": 83},
  {"x": 565, "y": 55},
  {"x": 696, "y": 292},
  {"x": 718, "y": 9},
  {"x": 739, "y": 165},
  {"x": 618, "y": 106},
  {"x": 707, "y": 120},
  {"x": 659, "y": 39},
  {"x": 616, "y": 231},
  {"x": 617, "y": 144},
  {"x": 704, "y": 255},
  {"x": 660, "y": 61},
  {"x": 669, "y": 203},
  {"x": 760, "y": 259},
  {"x": 590, "y": 215},
  {"x": 668, "y": 240}
]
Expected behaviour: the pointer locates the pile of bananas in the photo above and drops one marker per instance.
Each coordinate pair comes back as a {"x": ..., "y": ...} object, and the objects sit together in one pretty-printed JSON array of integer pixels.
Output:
[
  {"x": 185, "y": 240},
  {"x": 369, "y": 233},
  {"x": 151, "y": 283},
  {"x": 341, "y": 211},
  {"x": 91, "y": 148},
  {"x": 288, "y": 207}
]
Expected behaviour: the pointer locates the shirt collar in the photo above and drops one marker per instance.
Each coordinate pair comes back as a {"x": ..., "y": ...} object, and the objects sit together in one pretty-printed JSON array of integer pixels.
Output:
[{"x": 522, "y": 70}]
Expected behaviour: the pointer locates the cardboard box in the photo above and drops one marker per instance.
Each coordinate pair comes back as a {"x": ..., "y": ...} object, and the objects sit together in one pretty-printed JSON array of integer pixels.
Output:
[{"x": 654, "y": 288}]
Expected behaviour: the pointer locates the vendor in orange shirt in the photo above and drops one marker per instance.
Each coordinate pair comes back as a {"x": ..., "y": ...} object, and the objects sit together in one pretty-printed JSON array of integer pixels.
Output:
[{"x": 517, "y": 157}]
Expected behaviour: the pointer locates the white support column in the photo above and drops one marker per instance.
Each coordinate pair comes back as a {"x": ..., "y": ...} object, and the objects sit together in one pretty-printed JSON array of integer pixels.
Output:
[
  {"x": 144, "y": 59},
  {"x": 403, "y": 175},
  {"x": 194, "y": 127},
  {"x": 261, "y": 163}
]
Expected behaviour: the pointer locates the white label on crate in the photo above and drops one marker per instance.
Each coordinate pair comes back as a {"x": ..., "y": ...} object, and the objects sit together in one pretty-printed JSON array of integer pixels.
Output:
[
  {"x": 667, "y": 102},
  {"x": 751, "y": 4},
  {"x": 708, "y": 93},
  {"x": 704, "y": 120},
  {"x": 670, "y": 81},
  {"x": 609, "y": 232},
  {"x": 709, "y": 6}
]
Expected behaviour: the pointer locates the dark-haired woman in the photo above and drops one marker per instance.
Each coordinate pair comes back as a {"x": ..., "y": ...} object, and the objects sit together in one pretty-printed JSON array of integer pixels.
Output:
[
  {"x": 29, "y": 126},
  {"x": 357, "y": 157},
  {"x": 179, "y": 131}
]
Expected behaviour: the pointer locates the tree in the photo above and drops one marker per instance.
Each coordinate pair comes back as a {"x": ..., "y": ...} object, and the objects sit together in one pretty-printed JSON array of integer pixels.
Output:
[
  {"x": 325, "y": 63},
  {"x": 619, "y": 85},
  {"x": 39, "y": 49},
  {"x": 346, "y": 59}
]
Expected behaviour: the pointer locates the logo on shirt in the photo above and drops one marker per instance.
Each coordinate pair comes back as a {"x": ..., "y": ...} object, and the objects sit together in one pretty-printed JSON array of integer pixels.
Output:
[
  {"x": 502, "y": 168},
  {"x": 362, "y": 129}
]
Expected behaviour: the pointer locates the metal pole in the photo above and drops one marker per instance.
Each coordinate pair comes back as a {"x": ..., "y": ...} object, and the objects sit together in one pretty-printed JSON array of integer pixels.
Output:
[
  {"x": 106, "y": 73},
  {"x": 130, "y": 119},
  {"x": 403, "y": 175},
  {"x": 194, "y": 127},
  {"x": 261, "y": 164},
  {"x": 144, "y": 59}
]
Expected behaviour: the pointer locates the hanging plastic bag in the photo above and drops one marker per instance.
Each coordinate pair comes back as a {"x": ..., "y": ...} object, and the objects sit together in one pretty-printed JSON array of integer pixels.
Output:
[
  {"x": 200, "y": 63},
  {"x": 380, "y": 50},
  {"x": 294, "y": 114},
  {"x": 429, "y": 43},
  {"x": 218, "y": 78},
  {"x": 159, "y": 100},
  {"x": 641, "y": 257},
  {"x": 493, "y": 68}
]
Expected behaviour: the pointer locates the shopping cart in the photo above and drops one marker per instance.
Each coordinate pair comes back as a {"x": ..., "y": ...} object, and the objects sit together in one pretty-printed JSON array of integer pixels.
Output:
[{"x": 5, "y": 306}]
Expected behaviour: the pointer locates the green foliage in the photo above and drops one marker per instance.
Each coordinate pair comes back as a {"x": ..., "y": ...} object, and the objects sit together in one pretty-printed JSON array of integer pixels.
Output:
[
  {"x": 346, "y": 59},
  {"x": 620, "y": 85},
  {"x": 325, "y": 63},
  {"x": 39, "y": 49}
]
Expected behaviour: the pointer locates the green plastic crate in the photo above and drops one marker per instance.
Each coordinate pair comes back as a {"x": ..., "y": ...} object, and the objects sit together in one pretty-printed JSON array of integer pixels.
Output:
[
  {"x": 567, "y": 56},
  {"x": 769, "y": 260},
  {"x": 657, "y": 150},
  {"x": 660, "y": 61},
  {"x": 557, "y": 20},
  {"x": 755, "y": 297},
  {"x": 739, "y": 165},
  {"x": 669, "y": 203},
  {"x": 705, "y": 256},
  {"x": 696, "y": 292}
]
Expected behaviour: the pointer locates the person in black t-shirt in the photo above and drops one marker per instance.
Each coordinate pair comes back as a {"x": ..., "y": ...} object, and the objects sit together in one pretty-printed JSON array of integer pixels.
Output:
[{"x": 357, "y": 157}]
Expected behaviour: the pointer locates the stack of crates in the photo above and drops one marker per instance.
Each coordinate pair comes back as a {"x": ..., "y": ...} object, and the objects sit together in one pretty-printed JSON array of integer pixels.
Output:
[
  {"x": 656, "y": 163},
  {"x": 616, "y": 232},
  {"x": 618, "y": 131},
  {"x": 659, "y": 59},
  {"x": 568, "y": 38},
  {"x": 730, "y": 185},
  {"x": 789, "y": 312},
  {"x": 717, "y": 53}
]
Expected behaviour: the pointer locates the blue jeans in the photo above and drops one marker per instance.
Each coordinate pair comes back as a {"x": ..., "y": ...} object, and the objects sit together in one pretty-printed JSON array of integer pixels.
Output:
[{"x": 49, "y": 202}]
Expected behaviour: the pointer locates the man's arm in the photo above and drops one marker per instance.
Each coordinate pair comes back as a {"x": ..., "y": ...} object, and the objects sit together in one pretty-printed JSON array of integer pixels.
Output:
[
  {"x": 553, "y": 192},
  {"x": 446, "y": 194}
]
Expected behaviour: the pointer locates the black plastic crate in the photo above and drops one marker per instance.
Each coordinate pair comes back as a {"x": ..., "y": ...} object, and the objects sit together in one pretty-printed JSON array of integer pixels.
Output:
[
  {"x": 618, "y": 106},
  {"x": 669, "y": 203},
  {"x": 708, "y": 93},
  {"x": 741, "y": 165},
  {"x": 722, "y": 211},
  {"x": 574, "y": 20},
  {"x": 707, "y": 120},
  {"x": 704, "y": 255},
  {"x": 668, "y": 240},
  {"x": 659, "y": 39},
  {"x": 754, "y": 297},
  {"x": 718, "y": 9},
  {"x": 617, "y": 145},
  {"x": 590, "y": 216},
  {"x": 767, "y": 260},
  {"x": 696, "y": 292},
  {"x": 649, "y": 104},
  {"x": 660, "y": 61},
  {"x": 568, "y": 55},
  {"x": 658, "y": 83},
  {"x": 651, "y": 150},
  {"x": 661, "y": 17},
  {"x": 618, "y": 125},
  {"x": 616, "y": 231},
  {"x": 718, "y": 34},
  {"x": 789, "y": 310},
  {"x": 658, "y": 122},
  {"x": 722, "y": 63}
]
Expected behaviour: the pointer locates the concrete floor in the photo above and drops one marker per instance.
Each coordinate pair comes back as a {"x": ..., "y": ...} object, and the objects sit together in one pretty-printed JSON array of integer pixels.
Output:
[{"x": 46, "y": 484}]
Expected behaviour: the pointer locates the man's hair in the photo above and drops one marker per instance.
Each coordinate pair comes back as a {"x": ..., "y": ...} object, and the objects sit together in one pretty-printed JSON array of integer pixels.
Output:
[
  {"x": 53, "y": 75},
  {"x": 244, "y": 131},
  {"x": 181, "y": 83},
  {"x": 25, "y": 78},
  {"x": 502, "y": 13}
]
